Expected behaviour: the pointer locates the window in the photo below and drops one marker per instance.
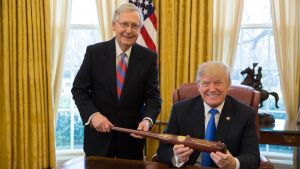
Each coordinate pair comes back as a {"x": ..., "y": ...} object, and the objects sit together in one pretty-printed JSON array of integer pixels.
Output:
[
  {"x": 83, "y": 31},
  {"x": 256, "y": 45}
]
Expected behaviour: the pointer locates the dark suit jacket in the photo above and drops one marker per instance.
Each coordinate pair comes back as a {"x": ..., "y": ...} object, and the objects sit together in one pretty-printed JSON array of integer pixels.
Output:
[
  {"x": 238, "y": 133},
  {"x": 94, "y": 89}
]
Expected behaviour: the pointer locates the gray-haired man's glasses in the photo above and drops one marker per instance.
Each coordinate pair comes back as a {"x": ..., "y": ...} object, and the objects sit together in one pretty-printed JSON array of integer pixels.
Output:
[{"x": 125, "y": 25}]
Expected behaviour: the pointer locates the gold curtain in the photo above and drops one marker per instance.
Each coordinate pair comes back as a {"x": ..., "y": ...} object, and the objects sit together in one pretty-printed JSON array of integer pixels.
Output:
[
  {"x": 27, "y": 134},
  {"x": 185, "y": 41}
]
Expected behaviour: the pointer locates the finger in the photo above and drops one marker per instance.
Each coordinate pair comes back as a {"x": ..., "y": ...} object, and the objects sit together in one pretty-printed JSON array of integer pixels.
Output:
[
  {"x": 217, "y": 159},
  {"x": 217, "y": 156},
  {"x": 223, "y": 160},
  {"x": 222, "y": 155},
  {"x": 99, "y": 128},
  {"x": 137, "y": 136},
  {"x": 105, "y": 127},
  {"x": 177, "y": 146},
  {"x": 183, "y": 151},
  {"x": 110, "y": 124},
  {"x": 106, "y": 124},
  {"x": 143, "y": 126},
  {"x": 186, "y": 154}
]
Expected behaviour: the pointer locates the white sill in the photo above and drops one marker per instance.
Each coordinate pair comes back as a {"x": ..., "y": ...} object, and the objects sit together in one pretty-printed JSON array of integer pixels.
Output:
[
  {"x": 279, "y": 158},
  {"x": 65, "y": 155}
]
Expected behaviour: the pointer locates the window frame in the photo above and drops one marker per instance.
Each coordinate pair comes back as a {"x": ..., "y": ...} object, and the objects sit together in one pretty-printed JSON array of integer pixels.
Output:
[
  {"x": 67, "y": 154},
  {"x": 282, "y": 159}
]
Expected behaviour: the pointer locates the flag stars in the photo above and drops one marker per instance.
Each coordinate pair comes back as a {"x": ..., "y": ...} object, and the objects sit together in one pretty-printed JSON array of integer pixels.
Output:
[
  {"x": 145, "y": 11},
  {"x": 141, "y": 9},
  {"x": 145, "y": 7}
]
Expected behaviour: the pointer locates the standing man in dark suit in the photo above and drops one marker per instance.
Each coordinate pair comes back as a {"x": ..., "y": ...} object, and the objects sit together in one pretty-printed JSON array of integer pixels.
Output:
[
  {"x": 117, "y": 84},
  {"x": 234, "y": 123}
]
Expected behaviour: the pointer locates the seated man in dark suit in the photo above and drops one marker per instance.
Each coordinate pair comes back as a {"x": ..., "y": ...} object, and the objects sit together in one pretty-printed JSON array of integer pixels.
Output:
[{"x": 213, "y": 116}]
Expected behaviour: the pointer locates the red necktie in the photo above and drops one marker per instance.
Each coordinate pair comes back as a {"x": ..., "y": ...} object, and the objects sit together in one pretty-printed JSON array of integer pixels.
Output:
[{"x": 121, "y": 71}]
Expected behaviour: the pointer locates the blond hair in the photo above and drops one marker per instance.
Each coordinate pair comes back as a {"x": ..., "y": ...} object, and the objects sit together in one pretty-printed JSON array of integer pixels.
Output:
[{"x": 213, "y": 68}]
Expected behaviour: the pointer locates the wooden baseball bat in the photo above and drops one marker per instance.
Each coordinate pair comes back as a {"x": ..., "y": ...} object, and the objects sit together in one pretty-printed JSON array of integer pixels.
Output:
[{"x": 194, "y": 143}]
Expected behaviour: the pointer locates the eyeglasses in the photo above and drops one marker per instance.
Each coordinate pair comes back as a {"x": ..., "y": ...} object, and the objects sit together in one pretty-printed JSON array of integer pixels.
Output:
[{"x": 133, "y": 26}]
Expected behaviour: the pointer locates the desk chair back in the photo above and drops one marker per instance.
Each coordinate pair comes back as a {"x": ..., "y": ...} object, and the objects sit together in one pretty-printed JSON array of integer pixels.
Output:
[{"x": 242, "y": 93}]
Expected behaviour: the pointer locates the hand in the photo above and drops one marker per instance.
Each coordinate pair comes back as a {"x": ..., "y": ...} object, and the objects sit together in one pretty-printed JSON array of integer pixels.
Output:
[
  {"x": 143, "y": 126},
  {"x": 101, "y": 123},
  {"x": 183, "y": 153},
  {"x": 222, "y": 160}
]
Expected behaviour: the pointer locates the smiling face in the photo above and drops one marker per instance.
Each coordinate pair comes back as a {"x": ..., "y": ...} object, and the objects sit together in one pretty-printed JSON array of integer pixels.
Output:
[
  {"x": 127, "y": 29},
  {"x": 213, "y": 83},
  {"x": 213, "y": 90}
]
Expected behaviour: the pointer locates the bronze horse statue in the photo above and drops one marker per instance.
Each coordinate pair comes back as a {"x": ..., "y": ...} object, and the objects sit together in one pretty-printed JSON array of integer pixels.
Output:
[{"x": 250, "y": 81}]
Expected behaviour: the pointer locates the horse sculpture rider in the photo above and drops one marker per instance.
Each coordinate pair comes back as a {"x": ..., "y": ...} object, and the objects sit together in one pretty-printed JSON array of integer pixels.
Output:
[
  {"x": 249, "y": 79},
  {"x": 254, "y": 80},
  {"x": 257, "y": 79}
]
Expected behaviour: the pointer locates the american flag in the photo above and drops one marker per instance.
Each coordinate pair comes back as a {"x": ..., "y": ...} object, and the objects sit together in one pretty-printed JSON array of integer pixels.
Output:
[{"x": 148, "y": 30}]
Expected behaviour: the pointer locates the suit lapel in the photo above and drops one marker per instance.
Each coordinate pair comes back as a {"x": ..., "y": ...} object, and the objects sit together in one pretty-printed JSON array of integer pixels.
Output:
[
  {"x": 198, "y": 119},
  {"x": 224, "y": 121},
  {"x": 111, "y": 78}
]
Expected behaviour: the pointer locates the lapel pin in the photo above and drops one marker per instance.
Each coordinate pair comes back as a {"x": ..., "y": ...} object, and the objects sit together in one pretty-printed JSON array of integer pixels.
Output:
[{"x": 227, "y": 118}]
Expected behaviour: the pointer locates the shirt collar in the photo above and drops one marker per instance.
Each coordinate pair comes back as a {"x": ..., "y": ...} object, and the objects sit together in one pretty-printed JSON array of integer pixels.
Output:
[
  {"x": 119, "y": 50},
  {"x": 207, "y": 107}
]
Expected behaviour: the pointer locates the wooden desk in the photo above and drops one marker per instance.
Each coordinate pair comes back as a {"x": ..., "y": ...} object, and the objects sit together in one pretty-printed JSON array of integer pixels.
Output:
[
  {"x": 283, "y": 132},
  {"x": 110, "y": 163}
]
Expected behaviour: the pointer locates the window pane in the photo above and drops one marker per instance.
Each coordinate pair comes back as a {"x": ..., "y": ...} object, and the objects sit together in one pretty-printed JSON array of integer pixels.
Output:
[
  {"x": 79, "y": 39},
  {"x": 63, "y": 130},
  {"x": 78, "y": 131},
  {"x": 256, "y": 11},
  {"x": 84, "y": 12},
  {"x": 69, "y": 129},
  {"x": 256, "y": 45}
]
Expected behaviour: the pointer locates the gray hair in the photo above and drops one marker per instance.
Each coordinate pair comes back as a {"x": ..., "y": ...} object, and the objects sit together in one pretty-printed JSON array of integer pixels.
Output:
[
  {"x": 213, "y": 68},
  {"x": 127, "y": 7}
]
